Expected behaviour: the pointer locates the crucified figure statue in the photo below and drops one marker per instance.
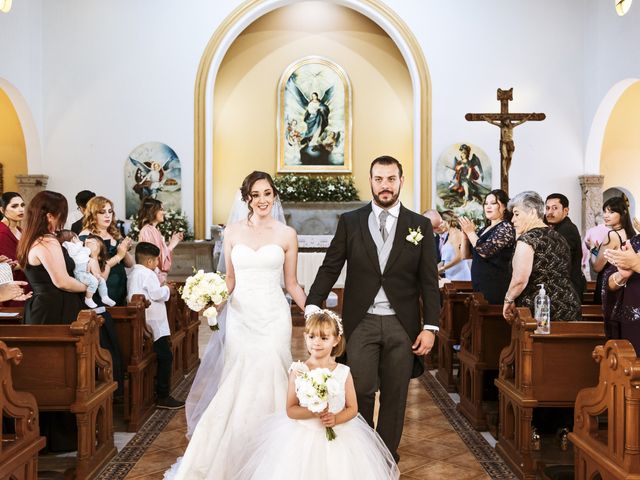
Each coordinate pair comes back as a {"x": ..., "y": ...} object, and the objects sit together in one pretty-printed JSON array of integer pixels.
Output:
[{"x": 506, "y": 121}]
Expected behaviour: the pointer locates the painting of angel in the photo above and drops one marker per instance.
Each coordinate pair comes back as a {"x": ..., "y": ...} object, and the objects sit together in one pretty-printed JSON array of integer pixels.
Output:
[
  {"x": 314, "y": 117},
  {"x": 152, "y": 170}
]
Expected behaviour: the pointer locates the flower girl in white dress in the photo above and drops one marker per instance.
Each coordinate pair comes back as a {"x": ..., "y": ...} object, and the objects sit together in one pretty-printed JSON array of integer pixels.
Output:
[{"x": 336, "y": 442}]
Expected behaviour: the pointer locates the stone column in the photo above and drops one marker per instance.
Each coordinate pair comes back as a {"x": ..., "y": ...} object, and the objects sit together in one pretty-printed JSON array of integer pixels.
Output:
[
  {"x": 591, "y": 200},
  {"x": 29, "y": 185}
]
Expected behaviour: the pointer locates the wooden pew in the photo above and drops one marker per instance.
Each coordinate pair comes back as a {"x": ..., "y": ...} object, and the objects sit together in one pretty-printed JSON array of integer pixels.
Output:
[
  {"x": 190, "y": 324},
  {"x": 540, "y": 371},
  {"x": 18, "y": 449},
  {"x": 65, "y": 369},
  {"x": 136, "y": 349},
  {"x": 177, "y": 326},
  {"x": 482, "y": 339},
  {"x": 609, "y": 450},
  {"x": 453, "y": 316}
]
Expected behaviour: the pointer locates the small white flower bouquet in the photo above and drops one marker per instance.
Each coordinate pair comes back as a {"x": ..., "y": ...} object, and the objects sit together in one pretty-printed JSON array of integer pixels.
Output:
[
  {"x": 314, "y": 388},
  {"x": 202, "y": 292}
]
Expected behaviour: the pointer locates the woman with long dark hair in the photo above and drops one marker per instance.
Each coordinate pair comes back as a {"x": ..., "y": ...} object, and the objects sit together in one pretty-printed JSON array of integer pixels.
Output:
[
  {"x": 47, "y": 266},
  {"x": 617, "y": 218},
  {"x": 492, "y": 248},
  {"x": 56, "y": 293},
  {"x": 150, "y": 215},
  {"x": 12, "y": 211}
]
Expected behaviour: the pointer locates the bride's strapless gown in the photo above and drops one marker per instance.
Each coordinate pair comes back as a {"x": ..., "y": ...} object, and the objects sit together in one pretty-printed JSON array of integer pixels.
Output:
[{"x": 254, "y": 379}]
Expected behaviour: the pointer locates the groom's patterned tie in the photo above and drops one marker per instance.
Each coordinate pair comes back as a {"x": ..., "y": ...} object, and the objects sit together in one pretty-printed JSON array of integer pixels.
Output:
[{"x": 383, "y": 225}]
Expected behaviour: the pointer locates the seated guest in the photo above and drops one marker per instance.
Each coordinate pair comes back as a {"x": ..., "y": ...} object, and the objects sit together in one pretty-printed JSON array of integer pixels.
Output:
[
  {"x": 143, "y": 280},
  {"x": 56, "y": 294},
  {"x": 492, "y": 248},
  {"x": 150, "y": 215},
  {"x": 621, "y": 294},
  {"x": 452, "y": 264},
  {"x": 47, "y": 266},
  {"x": 81, "y": 201},
  {"x": 541, "y": 257},
  {"x": 617, "y": 218},
  {"x": 12, "y": 210},
  {"x": 557, "y": 217}
]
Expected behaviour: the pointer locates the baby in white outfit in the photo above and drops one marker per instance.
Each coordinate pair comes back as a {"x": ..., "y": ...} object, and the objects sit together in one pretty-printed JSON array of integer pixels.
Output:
[{"x": 87, "y": 269}]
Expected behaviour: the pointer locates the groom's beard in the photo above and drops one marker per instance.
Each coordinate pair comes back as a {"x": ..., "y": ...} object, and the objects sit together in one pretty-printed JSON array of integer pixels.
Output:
[{"x": 385, "y": 203}]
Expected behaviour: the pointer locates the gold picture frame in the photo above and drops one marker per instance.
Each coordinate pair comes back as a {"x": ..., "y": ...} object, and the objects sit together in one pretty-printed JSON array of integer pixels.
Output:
[{"x": 314, "y": 118}]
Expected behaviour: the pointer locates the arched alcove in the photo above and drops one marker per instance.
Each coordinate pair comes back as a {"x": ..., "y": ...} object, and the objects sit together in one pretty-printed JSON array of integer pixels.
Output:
[
  {"x": 205, "y": 98},
  {"x": 28, "y": 138},
  {"x": 12, "y": 145},
  {"x": 599, "y": 125},
  {"x": 620, "y": 152},
  {"x": 617, "y": 191}
]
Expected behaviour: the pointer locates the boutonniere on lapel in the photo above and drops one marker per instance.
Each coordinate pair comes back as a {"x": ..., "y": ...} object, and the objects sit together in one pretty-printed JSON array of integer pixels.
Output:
[{"x": 415, "y": 236}]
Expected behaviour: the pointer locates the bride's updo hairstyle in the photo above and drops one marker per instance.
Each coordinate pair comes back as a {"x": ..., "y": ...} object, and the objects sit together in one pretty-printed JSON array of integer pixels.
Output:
[
  {"x": 326, "y": 322},
  {"x": 247, "y": 186}
]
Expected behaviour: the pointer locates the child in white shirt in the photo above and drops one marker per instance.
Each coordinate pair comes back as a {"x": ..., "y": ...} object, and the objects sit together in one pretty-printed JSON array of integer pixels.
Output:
[{"x": 142, "y": 279}]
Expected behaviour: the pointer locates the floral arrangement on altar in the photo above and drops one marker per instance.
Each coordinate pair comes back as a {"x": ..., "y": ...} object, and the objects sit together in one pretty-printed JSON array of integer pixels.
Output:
[
  {"x": 203, "y": 292},
  {"x": 307, "y": 188},
  {"x": 174, "y": 221}
]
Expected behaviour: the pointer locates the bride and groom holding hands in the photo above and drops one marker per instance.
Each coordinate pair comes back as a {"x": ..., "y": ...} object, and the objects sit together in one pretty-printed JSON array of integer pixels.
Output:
[{"x": 391, "y": 265}]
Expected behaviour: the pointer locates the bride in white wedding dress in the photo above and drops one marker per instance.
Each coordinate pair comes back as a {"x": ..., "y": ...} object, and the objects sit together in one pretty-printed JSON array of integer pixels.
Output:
[{"x": 257, "y": 346}]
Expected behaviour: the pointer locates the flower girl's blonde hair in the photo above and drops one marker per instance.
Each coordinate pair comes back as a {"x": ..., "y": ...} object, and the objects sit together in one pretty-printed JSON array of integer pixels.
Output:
[{"x": 324, "y": 322}]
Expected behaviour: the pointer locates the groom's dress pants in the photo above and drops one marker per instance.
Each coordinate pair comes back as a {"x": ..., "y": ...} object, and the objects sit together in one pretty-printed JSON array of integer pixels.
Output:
[{"x": 380, "y": 357}]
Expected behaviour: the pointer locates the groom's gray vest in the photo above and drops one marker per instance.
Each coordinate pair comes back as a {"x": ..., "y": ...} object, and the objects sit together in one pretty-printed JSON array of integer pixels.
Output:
[{"x": 381, "y": 305}]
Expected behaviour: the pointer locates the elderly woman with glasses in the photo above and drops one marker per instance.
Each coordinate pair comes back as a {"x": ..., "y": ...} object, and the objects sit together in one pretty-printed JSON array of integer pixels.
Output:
[{"x": 542, "y": 256}]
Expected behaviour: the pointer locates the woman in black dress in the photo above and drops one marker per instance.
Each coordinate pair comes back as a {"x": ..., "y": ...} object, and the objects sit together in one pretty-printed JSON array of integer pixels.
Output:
[
  {"x": 100, "y": 220},
  {"x": 491, "y": 248},
  {"x": 617, "y": 218},
  {"x": 56, "y": 296},
  {"x": 47, "y": 266},
  {"x": 542, "y": 256}
]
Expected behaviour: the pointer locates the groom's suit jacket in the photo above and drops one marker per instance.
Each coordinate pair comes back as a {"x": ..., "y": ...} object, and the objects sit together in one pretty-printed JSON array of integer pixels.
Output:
[{"x": 410, "y": 272}]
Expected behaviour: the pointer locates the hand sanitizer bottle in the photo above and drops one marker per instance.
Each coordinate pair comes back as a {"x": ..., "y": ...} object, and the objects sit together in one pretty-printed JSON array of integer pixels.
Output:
[{"x": 542, "y": 311}]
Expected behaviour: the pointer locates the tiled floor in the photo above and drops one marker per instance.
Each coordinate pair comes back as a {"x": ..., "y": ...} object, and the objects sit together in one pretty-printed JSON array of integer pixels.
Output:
[{"x": 430, "y": 447}]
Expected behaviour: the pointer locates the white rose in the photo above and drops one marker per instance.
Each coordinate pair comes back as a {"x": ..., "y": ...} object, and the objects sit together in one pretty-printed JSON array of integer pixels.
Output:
[{"x": 211, "y": 313}]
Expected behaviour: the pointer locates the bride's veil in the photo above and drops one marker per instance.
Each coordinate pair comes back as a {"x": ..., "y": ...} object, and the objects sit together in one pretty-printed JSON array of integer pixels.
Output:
[{"x": 209, "y": 374}]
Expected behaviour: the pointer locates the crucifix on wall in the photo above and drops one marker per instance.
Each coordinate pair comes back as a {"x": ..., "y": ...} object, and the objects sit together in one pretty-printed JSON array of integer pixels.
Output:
[{"x": 507, "y": 121}]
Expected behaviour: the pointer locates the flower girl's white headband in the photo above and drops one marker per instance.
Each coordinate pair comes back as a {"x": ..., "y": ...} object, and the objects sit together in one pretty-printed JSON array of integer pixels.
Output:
[{"x": 334, "y": 316}]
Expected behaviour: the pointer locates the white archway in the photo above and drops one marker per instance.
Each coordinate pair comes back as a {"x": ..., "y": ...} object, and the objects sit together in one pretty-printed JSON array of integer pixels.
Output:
[
  {"x": 29, "y": 130},
  {"x": 233, "y": 27},
  {"x": 599, "y": 125}
]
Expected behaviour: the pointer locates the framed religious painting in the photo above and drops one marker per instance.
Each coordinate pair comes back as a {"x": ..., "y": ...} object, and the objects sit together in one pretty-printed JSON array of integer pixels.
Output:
[{"x": 314, "y": 117}]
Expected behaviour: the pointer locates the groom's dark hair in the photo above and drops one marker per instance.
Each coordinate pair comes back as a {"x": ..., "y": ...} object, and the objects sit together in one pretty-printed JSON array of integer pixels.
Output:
[{"x": 385, "y": 160}]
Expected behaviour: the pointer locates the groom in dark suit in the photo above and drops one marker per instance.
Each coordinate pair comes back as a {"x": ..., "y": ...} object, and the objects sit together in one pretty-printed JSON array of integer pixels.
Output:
[{"x": 391, "y": 264}]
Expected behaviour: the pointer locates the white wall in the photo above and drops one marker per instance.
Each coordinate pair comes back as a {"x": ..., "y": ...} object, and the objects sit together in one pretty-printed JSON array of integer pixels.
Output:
[
  {"x": 114, "y": 75},
  {"x": 21, "y": 72}
]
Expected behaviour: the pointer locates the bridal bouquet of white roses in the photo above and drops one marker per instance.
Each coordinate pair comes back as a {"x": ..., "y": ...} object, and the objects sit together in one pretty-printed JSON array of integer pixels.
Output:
[
  {"x": 314, "y": 388},
  {"x": 202, "y": 292}
]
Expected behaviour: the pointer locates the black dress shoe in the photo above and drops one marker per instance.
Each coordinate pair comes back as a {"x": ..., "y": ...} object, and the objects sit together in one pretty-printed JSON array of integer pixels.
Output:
[{"x": 169, "y": 403}]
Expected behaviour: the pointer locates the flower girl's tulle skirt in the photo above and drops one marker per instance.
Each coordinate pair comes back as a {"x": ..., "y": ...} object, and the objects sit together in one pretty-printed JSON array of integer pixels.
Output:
[{"x": 286, "y": 449}]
